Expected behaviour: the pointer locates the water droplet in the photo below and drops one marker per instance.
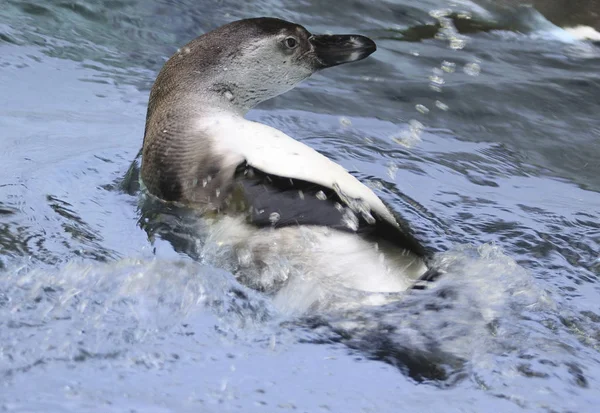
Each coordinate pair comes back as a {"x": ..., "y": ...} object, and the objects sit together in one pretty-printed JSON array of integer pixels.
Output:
[
  {"x": 368, "y": 217},
  {"x": 441, "y": 105},
  {"x": 457, "y": 43},
  {"x": 438, "y": 80},
  {"x": 321, "y": 195},
  {"x": 415, "y": 125},
  {"x": 447, "y": 29},
  {"x": 472, "y": 69},
  {"x": 412, "y": 136},
  {"x": 301, "y": 194},
  {"x": 439, "y": 13},
  {"x": 392, "y": 169},
  {"x": 274, "y": 218},
  {"x": 350, "y": 220},
  {"x": 374, "y": 184},
  {"x": 345, "y": 122},
  {"x": 422, "y": 108},
  {"x": 244, "y": 257},
  {"x": 448, "y": 67}
]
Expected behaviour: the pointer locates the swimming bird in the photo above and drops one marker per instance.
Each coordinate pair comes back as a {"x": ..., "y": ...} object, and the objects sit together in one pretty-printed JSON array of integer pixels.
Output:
[{"x": 278, "y": 204}]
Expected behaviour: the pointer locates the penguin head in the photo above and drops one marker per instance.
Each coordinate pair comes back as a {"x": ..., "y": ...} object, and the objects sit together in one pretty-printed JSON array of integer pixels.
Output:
[{"x": 252, "y": 60}]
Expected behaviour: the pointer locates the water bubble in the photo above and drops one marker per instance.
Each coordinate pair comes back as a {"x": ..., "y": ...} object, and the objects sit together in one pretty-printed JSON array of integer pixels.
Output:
[{"x": 472, "y": 69}]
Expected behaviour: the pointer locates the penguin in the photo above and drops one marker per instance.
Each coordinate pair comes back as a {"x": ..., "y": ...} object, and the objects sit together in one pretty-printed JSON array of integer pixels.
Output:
[{"x": 273, "y": 198}]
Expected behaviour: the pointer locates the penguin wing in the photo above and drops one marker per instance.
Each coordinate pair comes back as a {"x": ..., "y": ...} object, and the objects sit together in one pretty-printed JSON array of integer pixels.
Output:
[
  {"x": 281, "y": 167},
  {"x": 275, "y": 153}
]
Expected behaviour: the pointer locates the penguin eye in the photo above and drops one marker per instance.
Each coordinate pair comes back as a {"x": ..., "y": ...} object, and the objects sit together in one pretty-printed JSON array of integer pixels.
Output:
[{"x": 291, "y": 42}]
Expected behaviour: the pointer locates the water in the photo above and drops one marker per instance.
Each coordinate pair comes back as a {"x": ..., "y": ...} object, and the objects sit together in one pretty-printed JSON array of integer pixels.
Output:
[{"x": 479, "y": 126}]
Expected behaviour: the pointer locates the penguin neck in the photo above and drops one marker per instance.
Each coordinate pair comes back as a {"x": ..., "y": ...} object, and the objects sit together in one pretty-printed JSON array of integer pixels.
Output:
[
  {"x": 229, "y": 98},
  {"x": 212, "y": 104}
]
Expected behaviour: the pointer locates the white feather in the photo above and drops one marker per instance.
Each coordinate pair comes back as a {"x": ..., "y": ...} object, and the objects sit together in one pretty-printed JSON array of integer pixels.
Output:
[
  {"x": 274, "y": 152},
  {"x": 307, "y": 265}
]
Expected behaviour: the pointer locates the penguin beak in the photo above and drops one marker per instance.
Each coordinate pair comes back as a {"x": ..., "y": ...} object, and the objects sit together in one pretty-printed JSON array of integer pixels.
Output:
[{"x": 336, "y": 49}]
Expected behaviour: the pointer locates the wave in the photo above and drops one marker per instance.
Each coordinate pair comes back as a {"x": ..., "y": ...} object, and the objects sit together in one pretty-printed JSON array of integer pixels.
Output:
[{"x": 496, "y": 17}]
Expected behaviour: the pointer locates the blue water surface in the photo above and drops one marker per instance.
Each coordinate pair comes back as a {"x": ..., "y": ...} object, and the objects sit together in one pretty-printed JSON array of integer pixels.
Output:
[{"x": 479, "y": 124}]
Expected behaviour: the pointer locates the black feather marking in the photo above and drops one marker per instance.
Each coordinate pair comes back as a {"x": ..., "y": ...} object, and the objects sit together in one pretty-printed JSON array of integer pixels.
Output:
[{"x": 279, "y": 202}]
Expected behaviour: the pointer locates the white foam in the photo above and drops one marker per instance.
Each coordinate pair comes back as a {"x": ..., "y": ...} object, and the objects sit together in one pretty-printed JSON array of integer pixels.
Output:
[
  {"x": 583, "y": 33},
  {"x": 309, "y": 268}
]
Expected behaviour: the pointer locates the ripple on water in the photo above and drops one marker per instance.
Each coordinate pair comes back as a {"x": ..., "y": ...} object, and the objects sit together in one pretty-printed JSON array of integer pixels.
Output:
[
  {"x": 479, "y": 173},
  {"x": 486, "y": 325}
]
